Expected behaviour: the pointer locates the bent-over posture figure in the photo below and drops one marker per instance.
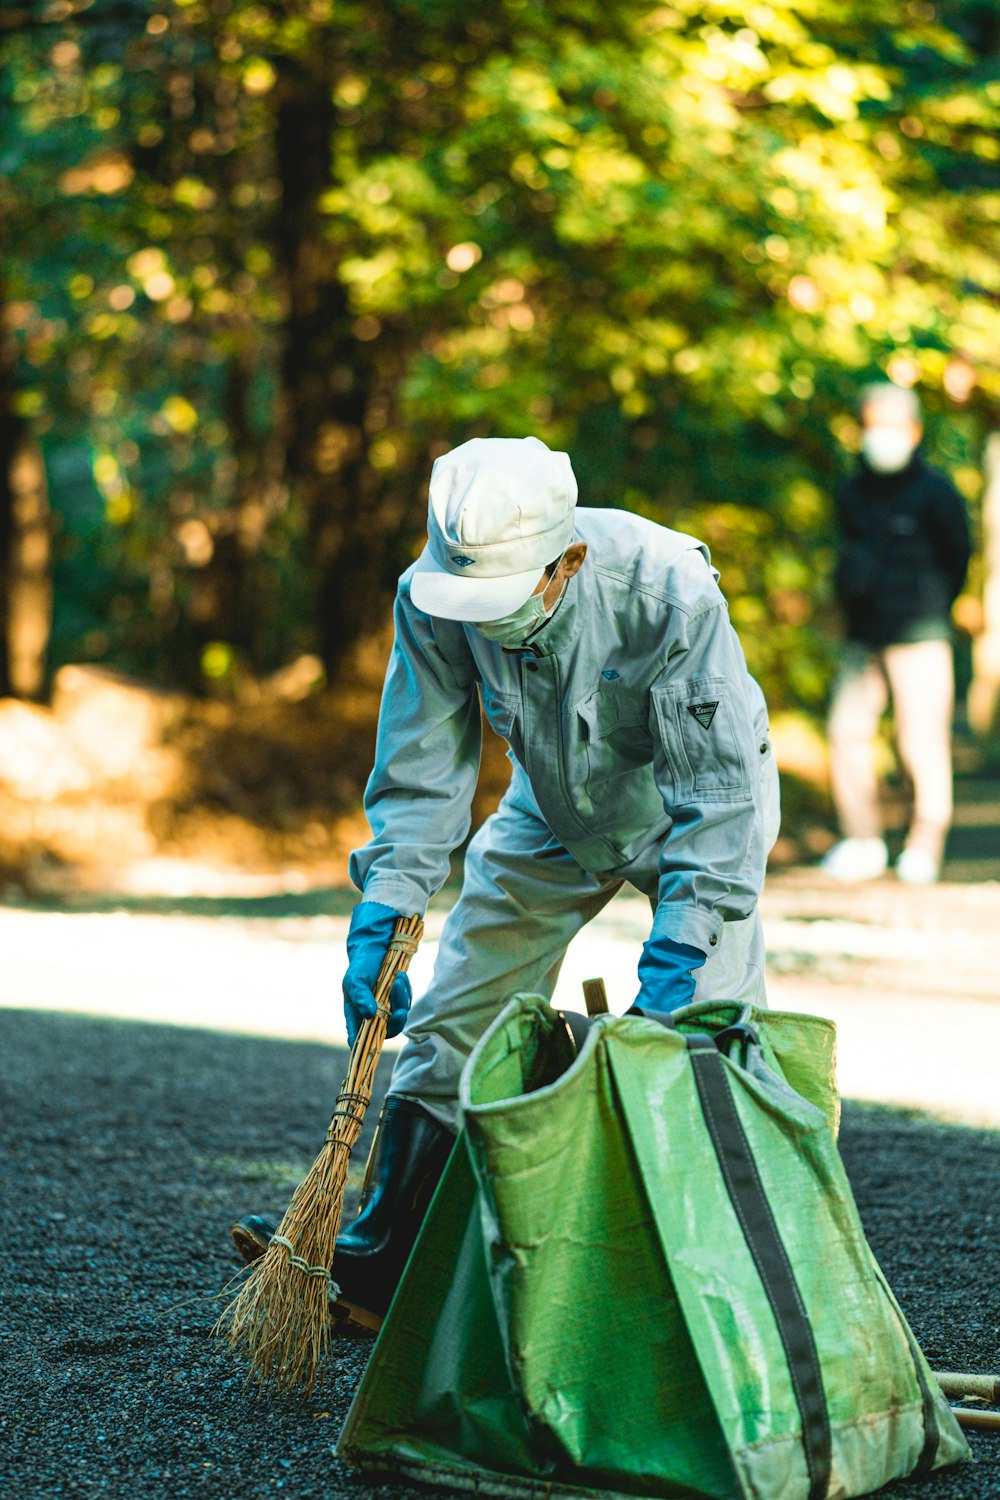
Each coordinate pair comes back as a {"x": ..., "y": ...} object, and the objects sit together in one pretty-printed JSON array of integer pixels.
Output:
[{"x": 599, "y": 646}]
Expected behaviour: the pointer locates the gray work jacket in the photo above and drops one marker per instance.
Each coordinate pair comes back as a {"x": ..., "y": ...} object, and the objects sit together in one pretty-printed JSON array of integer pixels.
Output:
[{"x": 633, "y": 715}]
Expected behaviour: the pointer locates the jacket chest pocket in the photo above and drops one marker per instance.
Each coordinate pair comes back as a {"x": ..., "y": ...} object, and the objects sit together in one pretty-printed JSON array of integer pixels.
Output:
[
  {"x": 614, "y": 726},
  {"x": 698, "y": 729},
  {"x": 501, "y": 710}
]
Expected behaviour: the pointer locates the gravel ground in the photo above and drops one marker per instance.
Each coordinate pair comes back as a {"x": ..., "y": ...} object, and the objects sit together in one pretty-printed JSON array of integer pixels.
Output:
[{"x": 125, "y": 1151}]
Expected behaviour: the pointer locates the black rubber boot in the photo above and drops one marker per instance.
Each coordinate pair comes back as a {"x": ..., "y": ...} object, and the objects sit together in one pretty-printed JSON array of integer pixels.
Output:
[
  {"x": 252, "y": 1235},
  {"x": 411, "y": 1153}
]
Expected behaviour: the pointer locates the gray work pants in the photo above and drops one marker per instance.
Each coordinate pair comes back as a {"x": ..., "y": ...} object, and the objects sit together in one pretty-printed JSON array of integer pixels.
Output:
[{"x": 523, "y": 898}]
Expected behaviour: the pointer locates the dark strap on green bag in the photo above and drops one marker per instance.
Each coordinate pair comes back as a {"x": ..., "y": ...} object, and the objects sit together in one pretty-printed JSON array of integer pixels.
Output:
[
  {"x": 932, "y": 1431},
  {"x": 928, "y": 1453},
  {"x": 746, "y": 1192}
]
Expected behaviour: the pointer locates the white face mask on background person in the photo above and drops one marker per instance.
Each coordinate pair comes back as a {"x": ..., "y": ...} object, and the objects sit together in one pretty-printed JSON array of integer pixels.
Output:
[
  {"x": 887, "y": 449},
  {"x": 514, "y": 629}
]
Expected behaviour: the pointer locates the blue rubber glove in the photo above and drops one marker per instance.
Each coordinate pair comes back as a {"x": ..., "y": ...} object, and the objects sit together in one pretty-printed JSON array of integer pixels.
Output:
[
  {"x": 665, "y": 978},
  {"x": 368, "y": 940}
]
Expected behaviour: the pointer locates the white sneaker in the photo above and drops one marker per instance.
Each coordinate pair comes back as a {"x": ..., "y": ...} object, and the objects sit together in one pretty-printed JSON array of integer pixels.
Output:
[
  {"x": 917, "y": 867},
  {"x": 856, "y": 860}
]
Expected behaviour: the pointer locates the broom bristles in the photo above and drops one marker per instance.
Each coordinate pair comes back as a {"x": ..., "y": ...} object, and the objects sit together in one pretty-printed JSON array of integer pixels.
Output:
[{"x": 280, "y": 1319}]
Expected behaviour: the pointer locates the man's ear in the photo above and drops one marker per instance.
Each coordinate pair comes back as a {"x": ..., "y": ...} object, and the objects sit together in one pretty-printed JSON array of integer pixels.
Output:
[{"x": 573, "y": 558}]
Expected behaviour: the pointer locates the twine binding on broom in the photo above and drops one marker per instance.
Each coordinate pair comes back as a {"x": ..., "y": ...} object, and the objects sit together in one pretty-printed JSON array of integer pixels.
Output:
[
  {"x": 279, "y": 1320},
  {"x": 297, "y": 1261}
]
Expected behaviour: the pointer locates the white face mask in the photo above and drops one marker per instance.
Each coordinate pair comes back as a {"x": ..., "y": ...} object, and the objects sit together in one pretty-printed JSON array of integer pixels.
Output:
[
  {"x": 887, "y": 449},
  {"x": 514, "y": 629}
]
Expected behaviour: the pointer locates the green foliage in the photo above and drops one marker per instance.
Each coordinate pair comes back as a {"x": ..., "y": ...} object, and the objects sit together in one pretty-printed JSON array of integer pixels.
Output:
[{"x": 671, "y": 239}]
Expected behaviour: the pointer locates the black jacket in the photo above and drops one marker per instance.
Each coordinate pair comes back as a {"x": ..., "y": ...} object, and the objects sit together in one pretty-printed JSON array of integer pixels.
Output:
[{"x": 904, "y": 552}]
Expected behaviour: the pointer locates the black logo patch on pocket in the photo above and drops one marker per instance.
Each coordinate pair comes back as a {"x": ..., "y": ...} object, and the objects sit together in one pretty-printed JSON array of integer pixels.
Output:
[{"x": 703, "y": 712}]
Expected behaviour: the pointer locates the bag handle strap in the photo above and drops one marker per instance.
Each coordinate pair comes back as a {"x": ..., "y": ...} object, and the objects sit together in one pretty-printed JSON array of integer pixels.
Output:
[
  {"x": 763, "y": 1238},
  {"x": 741, "y": 1033},
  {"x": 703, "y": 1008}
]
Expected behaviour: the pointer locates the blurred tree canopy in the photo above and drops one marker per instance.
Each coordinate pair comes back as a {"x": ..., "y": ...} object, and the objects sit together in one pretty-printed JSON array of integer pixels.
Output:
[{"x": 264, "y": 261}]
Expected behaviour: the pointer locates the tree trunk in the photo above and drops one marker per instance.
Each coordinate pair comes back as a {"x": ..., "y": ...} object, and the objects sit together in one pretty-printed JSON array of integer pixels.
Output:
[
  {"x": 225, "y": 602},
  {"x": 29, "y": 596},
  {"x": 331, "y": 372},
  {"x": 984, "y": 692},
  {"x": 11, "y": 438}
]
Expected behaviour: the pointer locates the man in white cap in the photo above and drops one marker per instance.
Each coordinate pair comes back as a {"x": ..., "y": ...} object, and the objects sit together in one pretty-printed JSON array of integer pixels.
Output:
[{"x": 599, "y": 646}]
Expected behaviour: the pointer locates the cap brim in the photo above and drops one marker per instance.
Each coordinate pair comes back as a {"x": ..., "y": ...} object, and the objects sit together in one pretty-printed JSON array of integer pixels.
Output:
[{"x": 451, "y": 597}]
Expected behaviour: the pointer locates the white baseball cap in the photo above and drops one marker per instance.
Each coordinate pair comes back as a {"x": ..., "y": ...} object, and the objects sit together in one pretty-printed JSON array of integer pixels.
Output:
[{"x": 499, "y": 511}]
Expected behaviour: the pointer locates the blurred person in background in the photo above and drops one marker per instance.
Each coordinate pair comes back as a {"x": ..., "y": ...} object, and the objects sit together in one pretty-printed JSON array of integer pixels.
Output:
[{"x": 902, "y": 559}]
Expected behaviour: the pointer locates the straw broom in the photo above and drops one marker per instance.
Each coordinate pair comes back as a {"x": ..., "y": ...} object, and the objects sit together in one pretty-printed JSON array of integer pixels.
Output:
[{"x": 280, "y": 1319}]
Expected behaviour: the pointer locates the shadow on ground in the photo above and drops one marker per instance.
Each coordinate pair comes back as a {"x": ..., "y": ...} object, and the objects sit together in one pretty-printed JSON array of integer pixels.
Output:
[
  {"x": 128, "y": 1149},
  {"x": 320, "y": 901}
]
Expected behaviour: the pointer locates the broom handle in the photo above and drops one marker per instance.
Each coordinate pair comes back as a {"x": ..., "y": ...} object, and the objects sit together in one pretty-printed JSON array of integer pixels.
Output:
[
  {"x": 356, "y": 1092},
  {"x": 977, "y": 1421},
  {"x": 957, "y": 1383}
]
